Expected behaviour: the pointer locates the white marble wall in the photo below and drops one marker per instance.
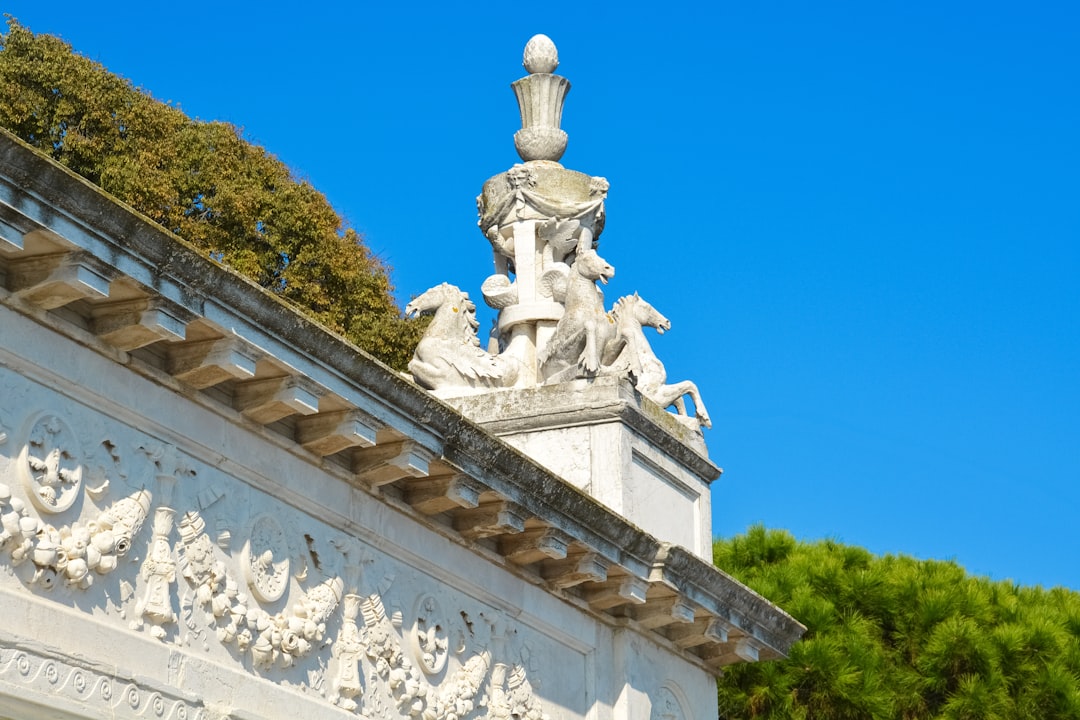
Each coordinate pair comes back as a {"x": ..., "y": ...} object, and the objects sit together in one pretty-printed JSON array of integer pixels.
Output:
[{"x": 164, "y": 559}]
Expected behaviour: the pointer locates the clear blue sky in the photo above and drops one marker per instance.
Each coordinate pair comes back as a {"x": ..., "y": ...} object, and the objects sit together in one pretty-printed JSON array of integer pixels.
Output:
[{"x": 863, "y": 220}]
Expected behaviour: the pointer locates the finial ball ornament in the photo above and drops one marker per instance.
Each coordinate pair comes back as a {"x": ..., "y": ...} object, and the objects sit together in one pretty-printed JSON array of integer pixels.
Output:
[{"x": 541, "y": 56}]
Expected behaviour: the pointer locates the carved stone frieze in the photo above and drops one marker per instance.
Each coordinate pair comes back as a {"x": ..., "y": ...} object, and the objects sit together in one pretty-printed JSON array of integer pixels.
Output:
[{"x": 425, "y": 660}]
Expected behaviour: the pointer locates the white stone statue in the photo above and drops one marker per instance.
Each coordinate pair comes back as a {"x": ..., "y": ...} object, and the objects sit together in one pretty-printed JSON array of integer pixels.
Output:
[
  {"x": 576, "y": 348},
  {"x": 543, "y": 222},
  {"x": 631, "y": 314},
  {"x": 449, "y": 354}
]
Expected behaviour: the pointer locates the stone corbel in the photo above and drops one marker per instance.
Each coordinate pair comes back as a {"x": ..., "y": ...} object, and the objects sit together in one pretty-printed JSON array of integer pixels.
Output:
[
  {"x": 440, "y": 494},
  {"x": 52, "y": 281},
  {"x": 698, "y": 632},
  {"x": 270, "y": 400},
  {"x": 328, "y": 433},
  {"x": 500, "y": 518},
  {"x": 534, "y": 546},
  {"x": 734, "y": 651},
  {"x": 132, "y": 324},
  {"x": 11, "y": 238},
  {"x": 391, "y": 461},
  {"x": 662, "y": 613},
  {"x": 589, "y": 567},
  {"x": 206, "y": 363},
  {"x": 613, "y": 593}
]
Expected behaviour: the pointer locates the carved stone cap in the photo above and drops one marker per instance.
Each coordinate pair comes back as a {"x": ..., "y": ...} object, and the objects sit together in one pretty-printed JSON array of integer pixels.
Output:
[{"x": 540, "y": 98}]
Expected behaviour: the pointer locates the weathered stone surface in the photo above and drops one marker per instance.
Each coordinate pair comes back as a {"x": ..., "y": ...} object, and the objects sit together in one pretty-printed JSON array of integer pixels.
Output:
[
  {"x": 621, "y": 449},
  {"x": 237, "y": 514}
]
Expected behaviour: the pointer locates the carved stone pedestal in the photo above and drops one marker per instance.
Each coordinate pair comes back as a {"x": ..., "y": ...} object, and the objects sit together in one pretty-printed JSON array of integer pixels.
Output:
[{"x": 622, "y": 449}]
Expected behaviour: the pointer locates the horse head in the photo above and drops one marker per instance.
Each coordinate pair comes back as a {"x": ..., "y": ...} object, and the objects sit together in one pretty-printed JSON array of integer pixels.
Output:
[
  {"x": 642, "y": 312},
  {"x": 593, "y": 267},
  {"x": 436, "y": 297}
]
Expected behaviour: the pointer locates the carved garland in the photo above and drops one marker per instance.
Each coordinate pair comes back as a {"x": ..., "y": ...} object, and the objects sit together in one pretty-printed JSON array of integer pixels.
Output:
[{"x": 43, "y": 554}]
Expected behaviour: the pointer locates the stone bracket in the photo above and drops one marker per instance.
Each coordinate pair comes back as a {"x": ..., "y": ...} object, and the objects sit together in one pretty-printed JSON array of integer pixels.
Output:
[
  {"x": 267, "y": 401},
  {"x": 206, "y": 363},
  {"x": 625, "y": 591},
  {"x": 533, "y": 546},
  {"x": 132, "y": 324},
  {"x": 440, "y": 494},
  {"x": 697, "y": 633},
  {"x": 662, "y": 613},
  {"x": 489, "y": 520},
  {"x": 731, "y": 652},
  {"x": 590, "y": 567},
  {"x": 52, "y": 281},
  {"x": 328, "y": 433},
  {"x": 391, "y": 461}
]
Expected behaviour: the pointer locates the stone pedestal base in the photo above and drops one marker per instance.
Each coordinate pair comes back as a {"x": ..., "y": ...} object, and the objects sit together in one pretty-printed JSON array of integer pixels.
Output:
[{"x": 618, "y": 447}]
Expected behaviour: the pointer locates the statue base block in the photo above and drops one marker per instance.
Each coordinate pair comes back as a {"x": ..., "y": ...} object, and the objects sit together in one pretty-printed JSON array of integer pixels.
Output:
[{"x": 620, "y": 448}]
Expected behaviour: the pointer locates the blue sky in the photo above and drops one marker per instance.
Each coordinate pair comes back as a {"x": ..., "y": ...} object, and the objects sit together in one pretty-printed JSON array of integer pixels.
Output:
[{"x": 863, "y": 220}]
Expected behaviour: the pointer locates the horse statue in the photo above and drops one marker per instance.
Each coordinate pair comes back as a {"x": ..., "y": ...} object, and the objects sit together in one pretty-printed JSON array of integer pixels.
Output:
[
  {"x": 449, "y": 354},
  {"x": 631, "y": 314},
  {"x": 576, "y": 348}
]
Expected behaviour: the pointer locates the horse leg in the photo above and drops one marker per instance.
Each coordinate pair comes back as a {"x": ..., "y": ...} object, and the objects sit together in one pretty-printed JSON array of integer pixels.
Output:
[
  {"x": 590, "y": 356},
  {"x": 699, "y": 407}
]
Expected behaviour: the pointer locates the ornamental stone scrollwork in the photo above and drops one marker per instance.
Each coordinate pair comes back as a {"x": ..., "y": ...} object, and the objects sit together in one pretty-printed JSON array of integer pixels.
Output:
[
  {"x": 282, "y": 637},
  {"x": 51, "y": 464},
  {"x": 430, "y": 641},
  {"x": 265, "y": 560}
]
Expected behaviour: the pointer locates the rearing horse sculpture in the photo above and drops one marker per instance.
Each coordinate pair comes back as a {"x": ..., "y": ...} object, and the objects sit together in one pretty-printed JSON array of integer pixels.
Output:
[
  {"x": 631, "y": 314},
  {"x": 576, "y": 348},
  {"x": 449, "y": 354}
]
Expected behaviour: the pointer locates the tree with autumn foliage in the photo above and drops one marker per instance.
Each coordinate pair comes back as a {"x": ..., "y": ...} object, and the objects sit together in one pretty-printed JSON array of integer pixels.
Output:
[
  {"x": 201, "y": 180},
  {"x": 891, "y": 637}
]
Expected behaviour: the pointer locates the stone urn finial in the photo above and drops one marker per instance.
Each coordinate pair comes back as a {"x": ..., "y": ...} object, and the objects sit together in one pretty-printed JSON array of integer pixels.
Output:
[{"x": 540, "y": 98}]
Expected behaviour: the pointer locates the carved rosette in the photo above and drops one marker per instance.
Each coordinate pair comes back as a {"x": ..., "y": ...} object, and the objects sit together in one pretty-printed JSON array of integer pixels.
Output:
[
  {"x": 429, "y": 639},
  {"x": 265, "y": 560},
  {"x": 51, "y": 464}
]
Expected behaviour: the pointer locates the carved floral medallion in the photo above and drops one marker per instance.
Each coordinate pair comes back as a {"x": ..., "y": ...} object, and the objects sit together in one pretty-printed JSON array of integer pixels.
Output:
[
  {"x": 51, "y": 465},
  {"x": 265, "y": 560},
  {"x": 430, "y": 641}
]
